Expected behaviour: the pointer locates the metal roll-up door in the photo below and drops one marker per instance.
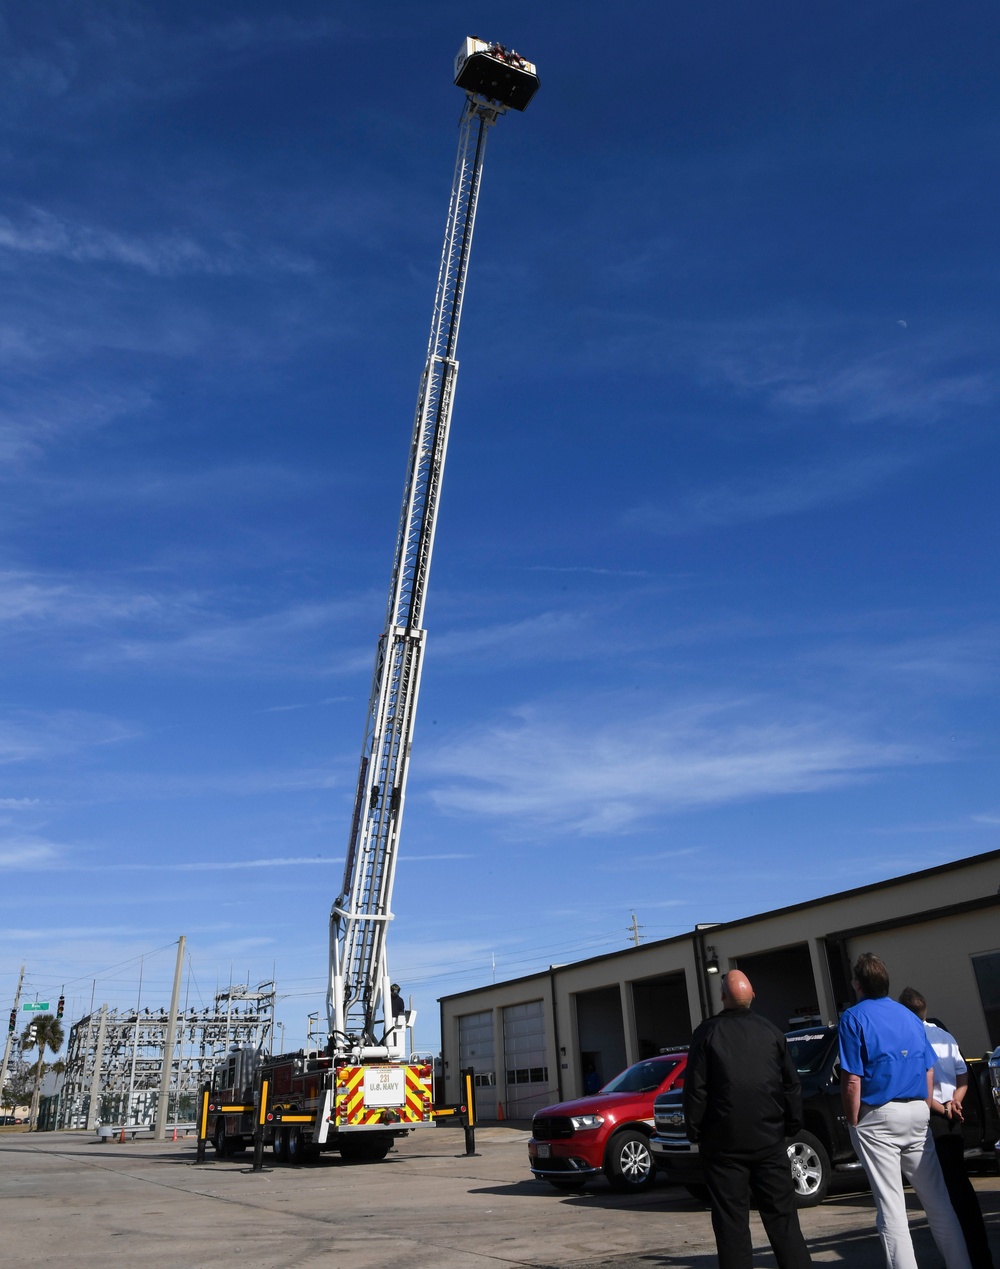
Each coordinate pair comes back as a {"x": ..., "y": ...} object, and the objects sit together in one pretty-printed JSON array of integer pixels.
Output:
[
  {"x": 476, "y": 1049},
  {"x": 525, "y": 1060}
]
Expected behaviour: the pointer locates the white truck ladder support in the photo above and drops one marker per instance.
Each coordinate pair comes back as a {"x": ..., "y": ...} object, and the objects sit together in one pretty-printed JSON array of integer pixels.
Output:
[{"x": 358, "y": 1005}]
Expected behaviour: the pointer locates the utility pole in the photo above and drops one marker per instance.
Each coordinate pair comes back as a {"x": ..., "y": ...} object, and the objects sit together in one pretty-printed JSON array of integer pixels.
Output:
[
  {"x": 168, "y": 1049},
  {"x": 94, "y": 1105},
  {"x": 127, "y": 1117},
  {"x": 634, "y": 929},
  {"x": 10, "y": 1035}
]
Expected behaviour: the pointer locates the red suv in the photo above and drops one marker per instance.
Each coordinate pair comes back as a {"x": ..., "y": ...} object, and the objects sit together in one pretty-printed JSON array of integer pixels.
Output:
[{"x": 608, "y": 1131}]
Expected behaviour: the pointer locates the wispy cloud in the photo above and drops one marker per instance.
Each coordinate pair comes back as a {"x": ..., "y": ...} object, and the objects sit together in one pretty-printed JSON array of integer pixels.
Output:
[
  {"x": 844, "y": 368},
  {"x": 890, "y": 386},
  {"x": 531, "y": 637},
  {"x": 180, "y": 627},
  {"x": 100, "y": 57},
  {"x": 205, "y": 485},
  {"x": 33, "y": 599},
  {"x": 27, "y": 853},
  {"x": 249, "y": 782},
  {"x": 959, "y": 660},
  {"x": 768, "y": 496},
  {"x": 589, "y": 569},
  {"x": 550, "y": 770},
  {"x": 286, "y": 709},
  {"x": 33, "y": 420},
  {"x": 238, "y": 643},
  {"x": 40, "y": 233},
  {"x": 27, "y": 736},
  {"x": 205, "y": 865}
]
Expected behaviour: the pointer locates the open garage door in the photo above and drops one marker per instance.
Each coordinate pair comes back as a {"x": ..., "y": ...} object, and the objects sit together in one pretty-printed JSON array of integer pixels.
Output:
[
  {"x": 601, "y": 1035},
  {"x": 662, "y": 1013},
  {"x": 784, "y": 986}
]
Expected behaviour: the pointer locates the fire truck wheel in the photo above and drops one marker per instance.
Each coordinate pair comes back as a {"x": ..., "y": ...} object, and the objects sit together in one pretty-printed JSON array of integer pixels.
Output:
[
  {"x": 279, "y": 1146},
  {"x": 366, "y": 1149},
  {"x": 219, "y": 1140},
  {"x": 294, "y": 1147}
]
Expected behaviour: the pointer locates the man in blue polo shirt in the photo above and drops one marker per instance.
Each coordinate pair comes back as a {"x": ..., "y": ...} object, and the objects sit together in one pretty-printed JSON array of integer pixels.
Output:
[{"x": 887, "y": 1070}]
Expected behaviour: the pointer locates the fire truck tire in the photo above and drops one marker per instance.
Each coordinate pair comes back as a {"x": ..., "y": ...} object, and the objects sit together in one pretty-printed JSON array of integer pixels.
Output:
[
  {"x": 279, "y": 1146},
  {"x": 219, "y": 1140},
  {"x": 366, "y": 1149},
  {"x": 293, "y": 1150}
]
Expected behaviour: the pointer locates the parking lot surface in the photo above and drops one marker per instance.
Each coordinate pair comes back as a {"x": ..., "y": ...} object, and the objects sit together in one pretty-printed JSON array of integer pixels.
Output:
[{"x": 68, "y": 1200}]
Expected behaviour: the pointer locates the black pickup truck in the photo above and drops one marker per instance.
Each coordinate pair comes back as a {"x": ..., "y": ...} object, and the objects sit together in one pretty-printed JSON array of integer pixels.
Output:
[{"x": 823, "y": 1147}]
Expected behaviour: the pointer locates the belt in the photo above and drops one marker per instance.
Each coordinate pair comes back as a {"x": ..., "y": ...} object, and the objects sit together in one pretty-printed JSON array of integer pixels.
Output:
[{"x": 891, "y": 1101}]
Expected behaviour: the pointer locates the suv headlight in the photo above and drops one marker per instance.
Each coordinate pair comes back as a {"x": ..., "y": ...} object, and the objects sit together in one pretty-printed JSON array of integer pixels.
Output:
[{"x": 586, "y": 1121}]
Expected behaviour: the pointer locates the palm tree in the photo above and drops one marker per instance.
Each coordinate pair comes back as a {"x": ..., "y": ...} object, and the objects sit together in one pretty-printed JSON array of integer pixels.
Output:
[{"x": 48, "y": 1035}]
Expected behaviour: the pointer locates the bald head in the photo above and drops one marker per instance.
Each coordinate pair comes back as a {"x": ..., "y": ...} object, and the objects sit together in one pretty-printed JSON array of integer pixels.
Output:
[{"x": 736, "y": 990}]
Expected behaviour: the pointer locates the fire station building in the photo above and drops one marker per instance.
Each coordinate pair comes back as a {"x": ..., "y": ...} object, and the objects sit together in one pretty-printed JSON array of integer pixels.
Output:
[{"x": 532, "y": 1040}]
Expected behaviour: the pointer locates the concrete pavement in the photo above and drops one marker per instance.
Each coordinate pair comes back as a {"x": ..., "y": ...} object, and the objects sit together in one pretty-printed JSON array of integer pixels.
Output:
[{"x": 67, "y": 1200}]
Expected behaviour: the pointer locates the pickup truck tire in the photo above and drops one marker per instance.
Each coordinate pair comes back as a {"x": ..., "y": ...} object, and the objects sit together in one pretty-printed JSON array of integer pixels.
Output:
[
  {"x": 811, "y": 1170},
  {"x": 628, "y": 1162}
]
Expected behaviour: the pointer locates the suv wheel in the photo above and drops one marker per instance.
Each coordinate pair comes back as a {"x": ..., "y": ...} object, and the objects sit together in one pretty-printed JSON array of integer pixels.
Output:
[
  {"x": 811, "y": 1169},
  {"x": 628, "y": 1164}
]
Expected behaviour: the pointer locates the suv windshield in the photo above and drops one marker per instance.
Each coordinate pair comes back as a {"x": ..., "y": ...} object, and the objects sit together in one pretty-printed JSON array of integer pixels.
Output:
[
  {"x": 808, "y": 1049},
  {"x": 644, "y": 1077}
]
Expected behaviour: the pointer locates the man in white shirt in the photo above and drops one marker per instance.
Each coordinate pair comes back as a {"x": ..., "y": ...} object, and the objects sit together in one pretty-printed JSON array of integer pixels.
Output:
[{"x": 951, "y": 1081}]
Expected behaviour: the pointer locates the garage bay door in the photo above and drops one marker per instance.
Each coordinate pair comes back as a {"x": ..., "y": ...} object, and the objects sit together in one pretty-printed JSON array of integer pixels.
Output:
[
  {"x": 525, "y": 1060},
  {"x": 475, "y": 1049}
]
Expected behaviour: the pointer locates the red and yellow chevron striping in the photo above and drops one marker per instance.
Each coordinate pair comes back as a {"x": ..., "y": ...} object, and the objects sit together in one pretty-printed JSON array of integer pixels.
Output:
[{"x": 350, "y": 1107}]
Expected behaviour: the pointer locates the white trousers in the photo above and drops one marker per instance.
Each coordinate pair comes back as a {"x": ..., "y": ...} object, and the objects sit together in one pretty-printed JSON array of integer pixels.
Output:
[{"x": 892, "y": 1141}]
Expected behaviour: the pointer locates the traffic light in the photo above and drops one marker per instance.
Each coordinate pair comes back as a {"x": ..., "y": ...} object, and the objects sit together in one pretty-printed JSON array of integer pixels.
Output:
[
  {"x": 12, "y": 1025},
  {"x": 32, "y": 1035},
  {"x": 61, "y": 1007}
]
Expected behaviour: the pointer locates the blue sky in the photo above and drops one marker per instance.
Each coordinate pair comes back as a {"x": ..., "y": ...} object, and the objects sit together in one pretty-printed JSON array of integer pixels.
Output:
[{"x": 713, "y": 614}]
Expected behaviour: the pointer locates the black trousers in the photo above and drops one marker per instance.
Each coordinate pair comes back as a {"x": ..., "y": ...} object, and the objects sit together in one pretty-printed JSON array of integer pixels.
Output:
[
  {"x": 732, "y": 1180},
  {"x": 947, "y": 1134}
]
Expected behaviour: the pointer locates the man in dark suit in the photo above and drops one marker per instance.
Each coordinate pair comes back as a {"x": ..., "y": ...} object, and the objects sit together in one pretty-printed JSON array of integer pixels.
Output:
[{"x": 741, "y": 1099}]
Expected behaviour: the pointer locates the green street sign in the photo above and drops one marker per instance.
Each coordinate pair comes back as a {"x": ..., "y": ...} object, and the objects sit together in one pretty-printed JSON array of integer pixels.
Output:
[{"x": 40, "y": 1007}]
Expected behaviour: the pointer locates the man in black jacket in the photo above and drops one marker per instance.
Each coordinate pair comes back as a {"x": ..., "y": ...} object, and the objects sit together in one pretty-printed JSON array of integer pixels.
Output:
[{"x": 741, "y": 1099}]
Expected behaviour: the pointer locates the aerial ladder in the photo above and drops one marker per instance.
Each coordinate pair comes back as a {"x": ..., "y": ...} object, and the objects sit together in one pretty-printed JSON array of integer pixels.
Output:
[
  {"x": 359, "y": 999},
  {"x": 362, "y": 1090}
]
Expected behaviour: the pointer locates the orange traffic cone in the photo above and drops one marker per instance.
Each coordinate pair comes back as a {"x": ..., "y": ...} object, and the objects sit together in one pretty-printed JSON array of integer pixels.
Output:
[
  {"x": 500, "y": 1114},
  {"x": 121, "y": 1139},
  {"x": 175, "y": 1132}
]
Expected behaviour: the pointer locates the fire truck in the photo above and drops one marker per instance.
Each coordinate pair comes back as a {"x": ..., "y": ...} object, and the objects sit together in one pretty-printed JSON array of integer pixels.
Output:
[{"x": 361, "y": 1090}]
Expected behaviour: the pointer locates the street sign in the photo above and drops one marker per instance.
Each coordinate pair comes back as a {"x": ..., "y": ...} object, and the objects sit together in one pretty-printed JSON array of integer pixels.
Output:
[{"x": 42, "y": 1008}]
